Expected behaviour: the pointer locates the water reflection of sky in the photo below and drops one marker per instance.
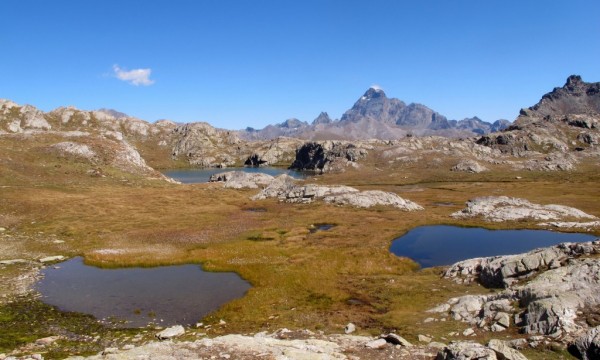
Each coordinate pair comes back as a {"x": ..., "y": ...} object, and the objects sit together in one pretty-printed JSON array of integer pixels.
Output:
[
  {"x": 444, "y": 245},
  {"x": 180, "y": 294}
]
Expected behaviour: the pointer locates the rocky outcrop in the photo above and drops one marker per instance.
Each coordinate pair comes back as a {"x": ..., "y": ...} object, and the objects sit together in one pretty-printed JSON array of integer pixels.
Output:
[
  {"x": 277, "y": 151},
  {"x": 469, "y": 166},
  {"x": 587, "y": 346},
  {"x": 74, "y": 149},
  {"x": 282, "y": 344},
  {"x": 204, "y": 146},
  {"x": 564, "y": 120},
  {"x": 503, "y": 208},
  {"x": 370, "y": 198},
  {"x": 545, "y": 291},
  {"x": 464, "y": 350},
  {"x": 285, "y": 189},
  {"x": 575, "y": 97},
  {"x": 504, "y": 271},
  {"x": 242, "y": 179},
  {"x": 328, "y": 156}
]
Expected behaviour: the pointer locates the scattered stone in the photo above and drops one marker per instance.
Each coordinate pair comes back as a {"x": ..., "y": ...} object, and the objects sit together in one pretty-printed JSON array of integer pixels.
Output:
[
  {"x": 222, "y": 322},
  {"x": 110, "y": 350},
  {"x": 12, "y": 261},
  {"x": 49, "y": 259},
  {"x": 572, "y": 224},
  {"x": 436, "y": 345},
  {"x": 376, "y": 344},
  {"x": 47, "y": 340},
  {"x": 504, "y": 350},
  {"x": 497, "y": 328},
  {"x": 428, "y": 320},
  {"x": 465, "y": 350},
  {"x": 350, "y": 328},
  {"x": 518, "y": 343},
  {"x": 396, "y": 340},
  {"x": 2, "y": 229},
  {"x": 424, "y": 338},
  {"x": 468, "y": 332},
  {"x": 171, "y": 332},
  {"x": 469, "y": 166},
  {"x": 503, "y": 319}
]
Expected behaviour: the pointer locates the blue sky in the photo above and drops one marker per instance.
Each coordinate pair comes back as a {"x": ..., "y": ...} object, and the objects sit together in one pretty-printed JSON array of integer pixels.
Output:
[{"x": 251, "y": 63}]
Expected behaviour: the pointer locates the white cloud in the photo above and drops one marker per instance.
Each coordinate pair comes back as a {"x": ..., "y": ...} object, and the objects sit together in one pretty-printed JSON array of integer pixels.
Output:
[
  {"x": 376, "y": 87},
  {"x": 135, "y": 77}
]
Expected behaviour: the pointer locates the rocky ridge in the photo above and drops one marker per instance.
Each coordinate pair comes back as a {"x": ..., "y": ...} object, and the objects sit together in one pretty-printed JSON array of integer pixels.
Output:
[
  {"x": 504, "y": 208},
  {"x": 374, "y": 115},
  {"x": 286, "y": 189},
  {"x": 565, "y": 120},
  {"x": 546, "y": 291}
]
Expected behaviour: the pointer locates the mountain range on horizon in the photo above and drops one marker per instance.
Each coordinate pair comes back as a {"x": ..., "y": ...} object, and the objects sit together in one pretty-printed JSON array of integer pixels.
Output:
[{"x": 374, "y": 115}]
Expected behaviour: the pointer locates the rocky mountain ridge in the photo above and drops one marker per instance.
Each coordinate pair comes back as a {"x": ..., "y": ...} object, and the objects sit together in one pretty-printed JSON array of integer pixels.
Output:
[
  {"x": 567, "y": 119},
  {"x": 555, "y": 134},
  {"x": 374, "y": 115}
]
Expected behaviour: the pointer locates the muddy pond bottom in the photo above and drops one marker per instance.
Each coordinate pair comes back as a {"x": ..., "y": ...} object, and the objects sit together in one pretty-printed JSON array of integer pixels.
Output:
[
  {"x": 191, "y": 176},
  {"x": 136, "y": 297},
  {"x": 440, "y": 245}
]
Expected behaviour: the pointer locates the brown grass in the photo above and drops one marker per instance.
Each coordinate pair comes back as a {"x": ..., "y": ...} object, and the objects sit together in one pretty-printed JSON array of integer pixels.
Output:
[{"x": 300, "y": 279}]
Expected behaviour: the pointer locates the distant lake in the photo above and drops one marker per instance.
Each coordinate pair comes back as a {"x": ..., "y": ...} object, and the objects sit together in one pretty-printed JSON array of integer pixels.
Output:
[
  {"x": 191, "y": 176},
  {"x": 165, "y": 295},
  {"x": 439, "y": 245}
]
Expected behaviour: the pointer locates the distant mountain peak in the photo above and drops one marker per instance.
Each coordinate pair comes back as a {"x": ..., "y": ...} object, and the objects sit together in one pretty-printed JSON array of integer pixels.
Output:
[
  {"x": 292, "y": 123},
  {"x": 323, "y": 118},
  {"x": 373, "y": 93}
]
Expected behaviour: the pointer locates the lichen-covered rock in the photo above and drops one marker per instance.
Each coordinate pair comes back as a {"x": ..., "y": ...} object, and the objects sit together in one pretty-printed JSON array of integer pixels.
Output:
[
  {"x": 466, "y": 350},
  {"x": 469, "y": 166},
  {"x": 588, "y": 344},
  {"x": 504, "y": 351},
  {"x": 74, "y": 149},
  {"x": 371, "y": 198},
  {"x": 327, "y": 156},
  {"x": 285, "y": 189},
  {"x": 504, "y": 208},
  {"x": 551, "y": 286},
  {"x": 171, "y": 332},
  {"x": 242, "y": 179}
]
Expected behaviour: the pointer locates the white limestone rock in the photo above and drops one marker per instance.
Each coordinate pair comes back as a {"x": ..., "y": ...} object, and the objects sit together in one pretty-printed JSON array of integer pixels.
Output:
[
  {"x": 171, "y": 332},
  {"x": 503, "y": 208}
]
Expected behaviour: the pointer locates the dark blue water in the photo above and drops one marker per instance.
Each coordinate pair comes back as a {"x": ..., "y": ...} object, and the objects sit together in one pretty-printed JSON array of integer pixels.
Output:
[
  {"x": 190, "y": 176},
  {"x": 166, "y": 295},
  {"x": 439, "y": 245}
]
